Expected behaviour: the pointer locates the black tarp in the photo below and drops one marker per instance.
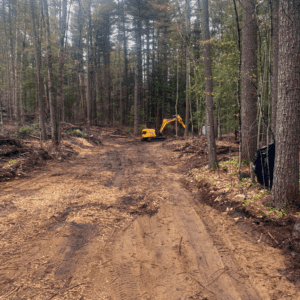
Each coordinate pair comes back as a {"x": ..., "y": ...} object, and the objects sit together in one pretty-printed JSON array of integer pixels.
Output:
[{"x": 263, "y": 164}]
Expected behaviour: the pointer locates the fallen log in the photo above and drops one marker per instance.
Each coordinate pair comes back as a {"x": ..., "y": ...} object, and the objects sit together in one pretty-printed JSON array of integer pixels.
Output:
[
  {"x": 118, "y": 136},
  {"x": 33, "y": 136}
]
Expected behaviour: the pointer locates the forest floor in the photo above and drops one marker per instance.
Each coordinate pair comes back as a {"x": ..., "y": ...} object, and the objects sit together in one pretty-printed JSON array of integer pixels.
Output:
[{"x": 111, "y": 217}]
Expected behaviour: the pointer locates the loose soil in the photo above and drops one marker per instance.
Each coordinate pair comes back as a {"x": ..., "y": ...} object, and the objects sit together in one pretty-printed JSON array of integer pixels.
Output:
[{"x": 125, "y": 220}]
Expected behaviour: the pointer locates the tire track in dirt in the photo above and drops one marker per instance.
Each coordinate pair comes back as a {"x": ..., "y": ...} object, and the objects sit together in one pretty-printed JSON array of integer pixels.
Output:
[{"x": 169, "y": 255}]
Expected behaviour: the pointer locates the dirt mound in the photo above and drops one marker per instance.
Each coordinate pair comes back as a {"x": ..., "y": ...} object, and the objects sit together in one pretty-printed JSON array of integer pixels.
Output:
[
  {"x": 198, "y": 146},
  {"x": 194, "y": 150},
  {"x": 18, "y": 157},
  {"x": 91, "y": 134}
]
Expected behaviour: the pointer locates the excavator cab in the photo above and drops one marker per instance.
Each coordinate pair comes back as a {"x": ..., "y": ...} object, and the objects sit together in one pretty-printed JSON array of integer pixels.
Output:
[{"x": 148, "y": 134}]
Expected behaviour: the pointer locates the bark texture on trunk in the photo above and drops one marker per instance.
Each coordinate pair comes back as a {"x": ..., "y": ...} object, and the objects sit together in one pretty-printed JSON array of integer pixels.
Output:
[
  {"x": 147, "y": 115},
  {"x": 22, "y": 96},
  {"x": 125, "y": 59},
  {"x": 187, "y": 105},
  {"x": 8, "y": 95},
  {"x": 120, "y": 35},
  {"x": 1, "y": 117},
  {"x": 80, "y": 66},
  {"x": 16, "y": 103},
  {"x": 107, "y": 73},
  {"x": 275, "y": 48},
  {"x": 91, "y": 95},
  {"x": 219, "y": 120},
  {"x": 209, "y": 128},
  {"x": 12, "y": 54},
  {"x": 249, "y": 74},
  {"x": 52, "y": 104},
  {"x": 22, "y": 93},
  {"x": 138, "y": 72},
  {"x": 61, "y": 59},
  {"x": 37, "y": 50},
  {"x": 187, "y": 65},
  {"x": 286, "y": 169}
]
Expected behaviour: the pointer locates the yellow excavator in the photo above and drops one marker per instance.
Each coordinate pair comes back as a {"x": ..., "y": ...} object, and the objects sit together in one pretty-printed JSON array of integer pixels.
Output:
[{"x": 149, "y": 134}]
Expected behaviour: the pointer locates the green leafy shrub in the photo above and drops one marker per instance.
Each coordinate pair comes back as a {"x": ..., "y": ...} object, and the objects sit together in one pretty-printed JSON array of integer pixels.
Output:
[
  {"x": 235, "y": 161},
  {"x": 23, "y": 132},
  {"x": 79, "y": 133}
]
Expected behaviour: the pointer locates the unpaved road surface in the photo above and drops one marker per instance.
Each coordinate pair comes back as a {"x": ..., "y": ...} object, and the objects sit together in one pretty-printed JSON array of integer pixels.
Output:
[{"x": 116, "y": 222}]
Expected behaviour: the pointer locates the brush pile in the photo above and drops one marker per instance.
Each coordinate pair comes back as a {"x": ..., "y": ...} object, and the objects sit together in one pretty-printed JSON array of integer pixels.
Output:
[{"x": 18, "y": 157}]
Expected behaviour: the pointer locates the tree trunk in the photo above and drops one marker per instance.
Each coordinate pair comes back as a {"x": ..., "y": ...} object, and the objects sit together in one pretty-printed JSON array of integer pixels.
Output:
[
  {"x": 219, "y": 120},
  {"x": 120, "y": 71},
  {"x": 81, "y": 97},
  {"x": 8, "y": 100},
  {"x": 275, "y": 46},
  {"x": 177, "y": 91},
  {"x": 80, "y": 66},
  {"x": 91, "y": 109},
  {"x": 147, "y": 110},
  {"x": 125, "y": 59},
  {"x": 37, "y": 50},
  {"x": 209, "y": 128},
  {"x": 12, "y": 53},
  {"x": 136, "y": 100},
  {"x": 52, "y": 104},
  {"x": 138, "y": 71},
  {"x": 187, "y": 105},
  {"x": 16, "y": 103},
  {"x": 60, "y": 100},
  {"x": 22, "y": 94},
  {"x": 22, "y": 100},
  {"x": 286, "y": 170},
  {"x": 88, "y": 85},
  {"x": 187, "y": 65},
  {"x": 1, "y": 117},
  {"x": 238, "y": 129},
  {"x": 165, "y": 71},
  {"x": 107, "y": 73},
  {"x": 249, "y": 74}
]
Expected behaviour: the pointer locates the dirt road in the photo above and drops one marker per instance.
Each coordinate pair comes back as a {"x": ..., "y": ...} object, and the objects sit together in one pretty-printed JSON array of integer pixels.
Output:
[{"x": 116, "y": 222}]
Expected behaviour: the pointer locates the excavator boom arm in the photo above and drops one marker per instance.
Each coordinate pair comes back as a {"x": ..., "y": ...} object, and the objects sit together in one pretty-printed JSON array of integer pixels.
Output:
[{"x": 167, "y": 121}]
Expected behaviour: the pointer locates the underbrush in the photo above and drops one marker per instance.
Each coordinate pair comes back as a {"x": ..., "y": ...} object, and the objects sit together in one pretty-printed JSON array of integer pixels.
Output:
[
  {"x": 252, "y": 197},
  {"x": 24, "y": 131},
  {"x": 249, "y": 205},
  {"x": 78, "y": 133}
]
